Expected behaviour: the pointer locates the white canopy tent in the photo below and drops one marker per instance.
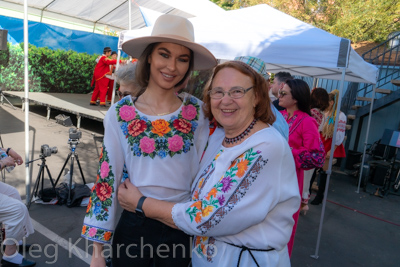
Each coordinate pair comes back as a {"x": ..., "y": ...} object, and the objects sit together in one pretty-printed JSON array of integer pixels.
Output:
[
  {"x": 285, "y": 44},
  {"x": 112, "y": 13}
]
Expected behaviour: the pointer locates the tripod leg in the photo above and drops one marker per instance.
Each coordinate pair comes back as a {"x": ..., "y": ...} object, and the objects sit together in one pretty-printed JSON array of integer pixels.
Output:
[
  {"x": 51, "y": 179},
  {"x": 36, "y": 187},
  {"x": 80, "y": 168},
  {"x": 70, "y": 182},
  {"x": 62, "y": 169}
]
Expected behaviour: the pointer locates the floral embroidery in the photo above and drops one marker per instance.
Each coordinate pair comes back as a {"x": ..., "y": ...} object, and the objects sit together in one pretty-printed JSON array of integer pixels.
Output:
[
  {"x": 96, "y": 234},
  {"x": 312, "y": 159},
  {"x": 100, "y": 197},
  {"x": 204, "y": 246},
  {"x": 160, "y": 137},
  {"x": 227, "y": 192}
]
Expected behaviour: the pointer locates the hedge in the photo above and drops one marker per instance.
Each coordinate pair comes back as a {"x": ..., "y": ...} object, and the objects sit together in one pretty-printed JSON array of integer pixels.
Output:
[{"x": 56, "y": 71}]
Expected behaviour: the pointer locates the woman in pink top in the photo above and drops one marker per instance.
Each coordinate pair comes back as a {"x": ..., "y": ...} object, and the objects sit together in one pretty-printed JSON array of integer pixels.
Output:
[{"x": 304, "y": 139}]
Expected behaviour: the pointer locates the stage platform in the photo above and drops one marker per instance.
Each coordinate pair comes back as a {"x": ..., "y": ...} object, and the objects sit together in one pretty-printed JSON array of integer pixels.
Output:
[{"x": 77, "y": 104}]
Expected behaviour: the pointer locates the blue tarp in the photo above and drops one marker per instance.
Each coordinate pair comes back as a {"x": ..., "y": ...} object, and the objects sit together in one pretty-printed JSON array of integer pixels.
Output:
[{"x": 54, "y": 37}]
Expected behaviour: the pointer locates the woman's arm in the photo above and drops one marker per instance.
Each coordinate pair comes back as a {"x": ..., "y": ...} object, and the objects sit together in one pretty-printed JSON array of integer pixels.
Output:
[
  {"x": 129, "y": 195},
  {"x": 97, "y": 258}
]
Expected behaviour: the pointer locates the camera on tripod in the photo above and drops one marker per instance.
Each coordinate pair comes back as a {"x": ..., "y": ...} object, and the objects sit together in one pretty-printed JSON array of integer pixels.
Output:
[
  {"x": 46, "y": 150},
  {"x": 74, "y": 134}
]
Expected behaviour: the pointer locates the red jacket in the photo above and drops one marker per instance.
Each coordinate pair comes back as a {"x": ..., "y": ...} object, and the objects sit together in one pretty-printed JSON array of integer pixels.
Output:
[{"x": 102, "y": 68}]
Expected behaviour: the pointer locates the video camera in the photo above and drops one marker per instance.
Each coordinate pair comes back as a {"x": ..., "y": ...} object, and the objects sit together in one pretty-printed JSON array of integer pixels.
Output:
[
  {"x": 46, "y": 150},
  {"x": 74, "y": 134}
]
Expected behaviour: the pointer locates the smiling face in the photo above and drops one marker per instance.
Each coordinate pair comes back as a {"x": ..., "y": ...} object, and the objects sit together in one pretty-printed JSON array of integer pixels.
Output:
[
  {"x": 168, "y": 65},
  {"x": 286, "y": 99},
  {"x": 235, "y": 115}
]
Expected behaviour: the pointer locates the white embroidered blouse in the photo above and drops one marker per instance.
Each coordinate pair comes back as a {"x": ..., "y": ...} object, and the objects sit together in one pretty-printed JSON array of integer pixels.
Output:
[
  {"x": 161, "y": 155},
  {"x": 243, "y": 196}
]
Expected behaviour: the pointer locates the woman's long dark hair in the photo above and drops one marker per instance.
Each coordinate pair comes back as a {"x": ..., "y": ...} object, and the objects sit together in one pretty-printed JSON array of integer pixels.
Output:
[{"x": 300, "y": 92}]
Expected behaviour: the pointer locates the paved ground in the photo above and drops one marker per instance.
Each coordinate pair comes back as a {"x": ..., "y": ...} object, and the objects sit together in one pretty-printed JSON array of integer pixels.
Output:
[{"x": 359, "y": 229}]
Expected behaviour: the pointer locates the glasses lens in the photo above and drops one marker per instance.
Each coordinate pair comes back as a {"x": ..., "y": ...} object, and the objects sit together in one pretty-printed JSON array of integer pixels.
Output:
[
  {"x": 236, "y": 92},
  {"x": 217, "y": 93}
]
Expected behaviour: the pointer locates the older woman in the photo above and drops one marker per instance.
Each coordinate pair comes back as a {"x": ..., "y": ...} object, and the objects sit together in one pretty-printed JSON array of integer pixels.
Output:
[
  {"x": 160, "y": 137},
  {"x": 245, "y": 193},
  {"x": 304, "y": 138},
  {"x": 125, "y": 77}
]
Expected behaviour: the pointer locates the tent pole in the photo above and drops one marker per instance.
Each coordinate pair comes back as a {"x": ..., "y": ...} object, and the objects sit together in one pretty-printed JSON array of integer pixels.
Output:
[
  {"x": 130, "y": 14},
  {"x": 26, "y": 82},
  {"x": 329, "y": 171},
  {"x": 315, "y": 83},
  {"x": 366, "y": 138},
  {"x": 115, "y": 81}
]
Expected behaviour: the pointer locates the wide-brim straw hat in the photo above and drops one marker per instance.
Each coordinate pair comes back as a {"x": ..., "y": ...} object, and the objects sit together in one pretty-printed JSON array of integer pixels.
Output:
[{"x": 177, "y": 30}]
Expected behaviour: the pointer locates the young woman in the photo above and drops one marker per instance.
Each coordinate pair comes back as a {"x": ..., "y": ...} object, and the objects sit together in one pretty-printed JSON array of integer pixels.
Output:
[
  {"x": 326, "y": 137},
  {"x": 160, "y": 137},
  {"x": 304, "y": 138}
]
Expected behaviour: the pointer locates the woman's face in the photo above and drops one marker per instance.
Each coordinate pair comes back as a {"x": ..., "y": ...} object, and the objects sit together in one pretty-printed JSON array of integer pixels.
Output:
[
  {"x": 235, "y": 115},
  {"x": 286, "y": 99},
  {"x": 168, "y": 65}
]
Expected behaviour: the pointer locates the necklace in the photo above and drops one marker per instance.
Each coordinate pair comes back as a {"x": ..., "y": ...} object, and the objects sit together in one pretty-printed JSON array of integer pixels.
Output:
[
  {"x": 240, "y": 136},
  {"x": 157, "y": 114}
]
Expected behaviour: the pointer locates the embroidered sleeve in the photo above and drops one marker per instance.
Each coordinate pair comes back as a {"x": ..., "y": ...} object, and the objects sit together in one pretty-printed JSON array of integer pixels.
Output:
[
  {"x": 341, "y": 128},
  {"x": 100, "y": 215},
  {"x": 251, "y": 187},
  {"x": 311, "y": 153}
]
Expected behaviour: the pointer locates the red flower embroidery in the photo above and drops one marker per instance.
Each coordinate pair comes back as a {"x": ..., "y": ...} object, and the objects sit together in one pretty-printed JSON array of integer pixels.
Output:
[
  {"x": 183, "y": 125},
  {"x": 137, "y": 127},
  {"x": 103, "y": 191}
]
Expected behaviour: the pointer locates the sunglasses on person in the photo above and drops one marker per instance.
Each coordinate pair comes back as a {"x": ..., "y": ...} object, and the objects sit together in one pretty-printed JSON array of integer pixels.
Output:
[
  {"x": 282, "y": 93},
  {"x": 122, "y": 94}
]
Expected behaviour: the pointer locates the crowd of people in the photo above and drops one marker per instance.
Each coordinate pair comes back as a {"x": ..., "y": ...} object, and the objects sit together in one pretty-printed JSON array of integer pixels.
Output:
[{"x": 217, "y": 181}]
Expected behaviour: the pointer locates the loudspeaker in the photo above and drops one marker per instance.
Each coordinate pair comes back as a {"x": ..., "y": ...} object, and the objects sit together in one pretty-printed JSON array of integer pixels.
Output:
[
  {"x": 64, "y": 120},
  {"x": 3, "y": 39}
]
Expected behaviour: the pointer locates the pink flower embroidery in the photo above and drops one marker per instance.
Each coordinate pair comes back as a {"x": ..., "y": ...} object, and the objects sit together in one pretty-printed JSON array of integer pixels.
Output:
[
  {"x": 92, "y": 232},
  {"x": 175, "y": 143},
  {"x": 127, "y": 113},
  {"x": 189, "y": 112},
  {"x": 147, "y": 145},
  {"x": 104, "y": 169}
]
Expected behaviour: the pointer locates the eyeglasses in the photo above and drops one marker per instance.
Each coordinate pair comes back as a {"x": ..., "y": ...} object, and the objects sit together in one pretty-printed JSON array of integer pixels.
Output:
[
  {"x": 282, "y": 93},
  {"x": 235, "y": 92}
]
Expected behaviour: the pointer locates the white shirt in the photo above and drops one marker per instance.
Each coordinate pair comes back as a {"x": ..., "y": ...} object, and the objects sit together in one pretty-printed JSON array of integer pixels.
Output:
[{"x": 244, "y": 195}]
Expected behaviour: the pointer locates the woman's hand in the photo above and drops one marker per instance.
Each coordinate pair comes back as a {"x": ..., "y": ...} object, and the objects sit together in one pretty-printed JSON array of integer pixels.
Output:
[
  {"x": 128, "y": 195},
  {"x": 97, "y": 259},
  {"x": 6, "y": 162}
]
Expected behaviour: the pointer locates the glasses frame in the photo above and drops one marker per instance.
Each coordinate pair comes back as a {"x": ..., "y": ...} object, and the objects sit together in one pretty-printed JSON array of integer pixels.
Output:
[{"x": 229, "y": 93}]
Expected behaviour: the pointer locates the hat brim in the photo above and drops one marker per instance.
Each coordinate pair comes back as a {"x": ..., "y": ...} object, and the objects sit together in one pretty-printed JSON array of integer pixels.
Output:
[{"x": 203, "y": 58}]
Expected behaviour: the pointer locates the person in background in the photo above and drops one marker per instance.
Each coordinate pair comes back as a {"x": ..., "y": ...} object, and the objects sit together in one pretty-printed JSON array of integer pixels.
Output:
[
  {"x": 15, "y": 215},
  {"x": 111, "y": 78},
  {"x": 277, "y": 84},
  {"x": 99, "y": 77},
  {"x": 304, "y": 140},
  {"x": 246, "y": 192},
  {"x": 160, "y": 137},
  {"x": 125, "y": 77},
  {"x": 260, "y": 66},
  {"x": 319, "y": 103},
  {"x": 326, "y": 137}
]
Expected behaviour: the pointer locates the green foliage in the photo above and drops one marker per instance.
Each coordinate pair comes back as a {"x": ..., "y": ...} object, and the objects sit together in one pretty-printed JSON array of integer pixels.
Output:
[
  {"x": 5, "y": 56},
  {"x": 357, "y": 20},
  {"x": 12, "y": 76},
  {"x": 49, "y": 70}
]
